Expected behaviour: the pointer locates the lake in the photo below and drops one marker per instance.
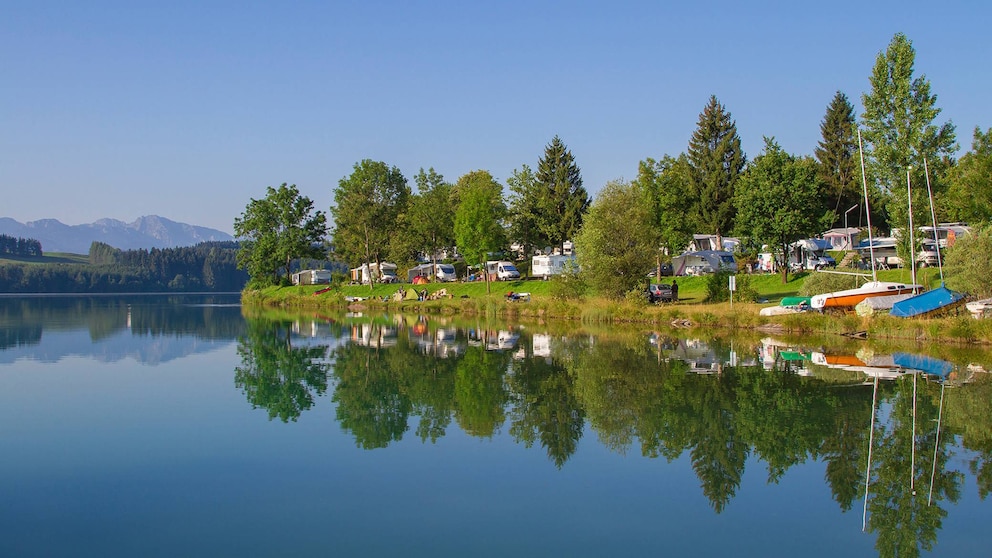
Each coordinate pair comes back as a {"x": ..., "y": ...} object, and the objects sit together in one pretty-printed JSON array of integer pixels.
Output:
[{"x": 154, "y": 425}]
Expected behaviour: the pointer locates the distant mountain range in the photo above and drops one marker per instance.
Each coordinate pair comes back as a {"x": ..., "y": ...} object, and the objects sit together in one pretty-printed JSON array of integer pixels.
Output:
[{"x": 150, "y": 231}]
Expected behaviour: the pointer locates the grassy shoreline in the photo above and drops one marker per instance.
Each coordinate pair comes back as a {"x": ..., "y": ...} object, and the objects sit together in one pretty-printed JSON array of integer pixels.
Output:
[{"x": 690, "y": 312}]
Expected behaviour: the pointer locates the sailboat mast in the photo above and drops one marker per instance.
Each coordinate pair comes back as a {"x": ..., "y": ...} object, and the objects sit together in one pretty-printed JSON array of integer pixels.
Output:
[
  {"x": 871, "y": 442},
  {"x": 912, "y": 460},
  {"x": 912, "y": 240},
  {"x": 933, "y": 215},
  {"x": 864, "y": 184},
  {"x": 936, "y": 443}
]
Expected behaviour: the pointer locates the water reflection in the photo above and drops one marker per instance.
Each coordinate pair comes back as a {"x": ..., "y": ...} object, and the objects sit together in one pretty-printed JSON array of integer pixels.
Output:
[
  {"x": 722, "y": 403},
  {"x": 148, "y": 328}
]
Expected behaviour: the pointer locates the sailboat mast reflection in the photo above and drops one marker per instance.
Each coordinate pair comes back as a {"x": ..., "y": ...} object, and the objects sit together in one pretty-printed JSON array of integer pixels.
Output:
[{"x": 871, "y": 443}]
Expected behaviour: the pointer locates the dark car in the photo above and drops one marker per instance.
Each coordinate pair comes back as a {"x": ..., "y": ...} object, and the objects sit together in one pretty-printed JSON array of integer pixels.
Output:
[{"x": 660, "y": 293}]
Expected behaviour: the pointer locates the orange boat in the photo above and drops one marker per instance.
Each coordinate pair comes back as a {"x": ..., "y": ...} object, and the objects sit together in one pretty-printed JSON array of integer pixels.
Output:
[{"x": 851, "y": 297}]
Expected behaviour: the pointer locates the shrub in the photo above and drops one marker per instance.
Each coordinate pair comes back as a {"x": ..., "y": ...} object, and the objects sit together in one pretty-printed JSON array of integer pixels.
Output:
[
  {"x": 568, "y": 285},
  {"x": 968, "y": 265},
  {"x": 817, "y": 283},
  {"x": 636, "y": 297}
]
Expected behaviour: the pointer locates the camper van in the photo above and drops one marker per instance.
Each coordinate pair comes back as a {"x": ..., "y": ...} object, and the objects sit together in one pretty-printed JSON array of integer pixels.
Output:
[
  {"x": 545, "y": 266},
  {"x": 704, "y": 261},
  {"x": 502, "y": 271}
]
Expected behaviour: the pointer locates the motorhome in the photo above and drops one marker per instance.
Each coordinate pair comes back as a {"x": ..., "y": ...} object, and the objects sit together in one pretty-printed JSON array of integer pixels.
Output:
[
  {"x": 544, "y": 266},
  {"x": 384, "y": 272},
  {"x": 810, "y": 253},
  {"x": 886, "y": 253},
  {"x": 704, "y": 261},
  {"x": 502, "y": 271},
  {"x": 312, "y": 277},
  {"x": 437, "y": 272}
]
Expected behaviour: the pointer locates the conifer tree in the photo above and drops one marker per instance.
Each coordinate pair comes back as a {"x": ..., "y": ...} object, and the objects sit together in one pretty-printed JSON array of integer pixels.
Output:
[
  {"x": 837, "y": 155},
  {"x": 716, "y": 161},
  {"x": 564, "y": 200}
]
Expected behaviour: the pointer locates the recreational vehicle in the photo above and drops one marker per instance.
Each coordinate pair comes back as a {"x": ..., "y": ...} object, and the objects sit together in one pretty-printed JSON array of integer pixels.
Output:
[
  {"x": 704, "y": 261},
  {"x": 545, "y": 266},
  {"x": 366, "y": 273},
  {"x": 312, "y": 277},
  {"x": 502, "y": 271},
  {"x": 810, "y": 253},
  {"x": 437, "y": 272}
]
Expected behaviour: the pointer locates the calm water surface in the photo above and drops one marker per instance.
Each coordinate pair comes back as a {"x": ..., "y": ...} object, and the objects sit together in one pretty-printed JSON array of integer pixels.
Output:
[{"x": 176, "y": 426}]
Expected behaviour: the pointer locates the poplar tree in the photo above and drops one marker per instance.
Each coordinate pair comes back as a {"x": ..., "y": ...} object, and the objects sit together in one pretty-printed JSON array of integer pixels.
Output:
[
  {"x": 837, "y": 155},
  {"x": 564, "y": 200},
  {"x": 716, "y": 162},
  {"x": 900, "y": 130}
]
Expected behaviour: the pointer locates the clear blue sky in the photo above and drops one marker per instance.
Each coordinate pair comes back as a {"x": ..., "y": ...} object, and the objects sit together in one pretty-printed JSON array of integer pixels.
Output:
[{"x": 189, "y": 109}]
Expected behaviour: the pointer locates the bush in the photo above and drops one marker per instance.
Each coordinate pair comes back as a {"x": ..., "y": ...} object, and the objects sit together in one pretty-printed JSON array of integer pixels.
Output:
[
  {"x": 568, "y": 285},
  {"x": 718, "y": 287},
  {"x": 968, "y": 266},
  {"x": 636, "y": 297},
  {"x": 817, "y": 283}
]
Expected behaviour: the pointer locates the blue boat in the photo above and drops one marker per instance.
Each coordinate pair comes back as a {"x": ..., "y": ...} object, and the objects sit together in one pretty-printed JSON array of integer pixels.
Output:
[{"x": 926, "y": 303}]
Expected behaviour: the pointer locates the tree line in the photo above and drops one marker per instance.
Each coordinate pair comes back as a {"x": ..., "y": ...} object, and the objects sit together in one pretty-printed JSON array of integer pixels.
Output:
[
  {"x": 209, "y": 266},
  {"x": 22, "y": 247},
  {"x": 769, "y": 201}
]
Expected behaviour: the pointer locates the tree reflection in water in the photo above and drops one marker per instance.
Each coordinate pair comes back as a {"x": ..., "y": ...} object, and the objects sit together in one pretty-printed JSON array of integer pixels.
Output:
[
  {"x": 274, "y": 374},
  {"x": 697, "y": 399}
]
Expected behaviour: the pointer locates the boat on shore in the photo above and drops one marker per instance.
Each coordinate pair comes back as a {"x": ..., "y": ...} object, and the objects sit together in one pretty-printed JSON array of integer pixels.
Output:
[
  {"x": 929, "y": 303},
  {"x": 850, "y": 298}
]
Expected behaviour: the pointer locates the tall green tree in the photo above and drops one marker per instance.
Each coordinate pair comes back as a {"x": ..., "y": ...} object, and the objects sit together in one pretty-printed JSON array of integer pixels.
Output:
[
  {"x": 665, "y": 185},
  {"x": 525, "y": 210},
  {"x": 901, "y": 131},
  {"x": 564, "y": 200},
  {"x": 969, "y": 195},
  {"x": 774, "y": 201},
  {"x": 618, "y": 240},
  {"x": 431, "y": 216},
  {"x": 479, "y": 217},
  {"x": 837, "y": 155},
  {"x": 368, "y": 207},
  {"x": 276, "y": 230},
  {"x": 716, "y": 161}
]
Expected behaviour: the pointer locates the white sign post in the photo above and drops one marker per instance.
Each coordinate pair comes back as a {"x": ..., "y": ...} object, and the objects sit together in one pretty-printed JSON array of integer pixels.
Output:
[{"x": 733, "y": 287}]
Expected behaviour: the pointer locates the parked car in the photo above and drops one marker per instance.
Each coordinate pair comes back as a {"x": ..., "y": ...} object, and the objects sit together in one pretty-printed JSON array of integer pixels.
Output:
[{"x": 660, "y": 293}]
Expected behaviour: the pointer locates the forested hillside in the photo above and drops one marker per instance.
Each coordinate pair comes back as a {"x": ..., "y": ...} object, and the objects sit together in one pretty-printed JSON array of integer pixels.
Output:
[{"x": 209, "y": 266}]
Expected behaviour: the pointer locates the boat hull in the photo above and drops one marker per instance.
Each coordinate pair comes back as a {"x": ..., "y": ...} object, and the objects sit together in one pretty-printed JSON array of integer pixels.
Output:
[
  {"x": 927, "y": 303},
  {"x": 851, "y": 297}
]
